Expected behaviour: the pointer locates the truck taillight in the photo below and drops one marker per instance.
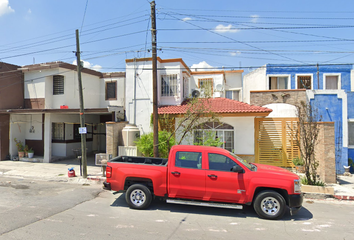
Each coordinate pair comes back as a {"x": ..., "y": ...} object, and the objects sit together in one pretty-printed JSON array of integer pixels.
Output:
[{"x": 108, "y": 172}]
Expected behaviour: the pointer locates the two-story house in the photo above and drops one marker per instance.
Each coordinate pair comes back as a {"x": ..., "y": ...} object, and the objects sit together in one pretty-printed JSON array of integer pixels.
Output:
[
  {"x": 11, "y": 97},
  {"x": 50, "y": 120},
  {"x": 176, "y": 82},
  {"x": 329, "y": 90}
]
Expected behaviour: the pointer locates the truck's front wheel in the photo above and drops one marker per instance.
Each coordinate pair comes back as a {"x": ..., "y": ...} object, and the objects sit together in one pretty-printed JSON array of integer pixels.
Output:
[
  {"x": 138, "y": 196},
  {"x": 270, "y": 205}
]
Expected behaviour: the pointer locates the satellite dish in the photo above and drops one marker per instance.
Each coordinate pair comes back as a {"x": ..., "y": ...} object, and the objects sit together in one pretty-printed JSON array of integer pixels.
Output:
[
  {"x": 195, "y": 93},
  {"x": 218, "y": 87}
]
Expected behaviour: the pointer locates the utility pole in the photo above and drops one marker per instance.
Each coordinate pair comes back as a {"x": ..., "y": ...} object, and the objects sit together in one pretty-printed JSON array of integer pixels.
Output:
[
  {"x": 82, "y": 112},
  {"x": 154, "y": 80}
]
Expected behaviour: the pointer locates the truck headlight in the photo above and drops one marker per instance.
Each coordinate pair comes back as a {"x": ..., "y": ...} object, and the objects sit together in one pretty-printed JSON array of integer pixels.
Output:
[{"x": 297, "y": 186}]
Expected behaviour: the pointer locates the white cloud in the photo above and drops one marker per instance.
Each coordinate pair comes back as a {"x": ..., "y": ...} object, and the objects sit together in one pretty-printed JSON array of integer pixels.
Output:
[
  {"x": 223, "y": 29},
  {"x": 235, "y": 53},
  {"x": 254, "y": 18},
  {"x": 202, "y": 66},
  {"x": 29, "y": 11},
  {"x": 89, "y": 65},
  {"x": 5, "y": 8},
  {"x": 186, "y": 19}
]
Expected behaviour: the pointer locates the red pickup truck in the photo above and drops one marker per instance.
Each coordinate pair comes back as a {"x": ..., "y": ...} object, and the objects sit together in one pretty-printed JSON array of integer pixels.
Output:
[{"x": 205, "y": 176}]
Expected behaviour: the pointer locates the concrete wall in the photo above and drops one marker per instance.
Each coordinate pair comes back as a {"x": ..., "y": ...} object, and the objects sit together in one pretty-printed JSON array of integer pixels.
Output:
[
  {"x": 325, "y": 153},
  {"x": 39, "y": 84},
  {"x": 255, "y": 80},
  {"x": 243, "y": 134},
  {"x": 120, "y": 92}
]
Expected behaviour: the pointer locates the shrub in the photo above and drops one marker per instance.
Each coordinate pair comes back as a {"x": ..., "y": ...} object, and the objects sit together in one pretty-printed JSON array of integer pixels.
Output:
[
  {"x": 145, "y": 144},
  {"x": 298, "y": 161}
]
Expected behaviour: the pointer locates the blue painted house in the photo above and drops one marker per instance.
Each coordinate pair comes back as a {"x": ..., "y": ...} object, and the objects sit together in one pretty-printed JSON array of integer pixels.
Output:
[{"x": 329, "y": 88}]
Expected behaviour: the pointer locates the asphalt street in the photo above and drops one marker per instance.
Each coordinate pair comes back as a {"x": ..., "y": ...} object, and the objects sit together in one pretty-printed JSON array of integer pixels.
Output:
[{"x": 57, "y": 210}]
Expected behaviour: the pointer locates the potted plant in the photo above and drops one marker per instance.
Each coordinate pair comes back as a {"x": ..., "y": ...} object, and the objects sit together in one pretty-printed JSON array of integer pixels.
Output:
[
  {"x": 20, "y": 148},
  {"x": 299, "y": 164},
  {"x": 26, "y": 150},
  {"x": 30, "y": 153}
]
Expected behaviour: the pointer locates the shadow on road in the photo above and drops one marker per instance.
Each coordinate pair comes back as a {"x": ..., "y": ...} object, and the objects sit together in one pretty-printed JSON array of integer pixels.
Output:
[{"x": 247, "y": 211}]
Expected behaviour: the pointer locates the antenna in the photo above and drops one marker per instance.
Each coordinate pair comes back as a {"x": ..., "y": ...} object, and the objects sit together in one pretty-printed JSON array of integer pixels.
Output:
[{"x": 218, "y": 88}]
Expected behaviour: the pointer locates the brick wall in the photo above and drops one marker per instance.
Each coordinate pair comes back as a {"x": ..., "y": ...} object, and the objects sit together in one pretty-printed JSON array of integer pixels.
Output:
[
  {"x": 293, "y": 97},
  {"x": 325, "y": 153},
  {"x": 114, "y": 137}
]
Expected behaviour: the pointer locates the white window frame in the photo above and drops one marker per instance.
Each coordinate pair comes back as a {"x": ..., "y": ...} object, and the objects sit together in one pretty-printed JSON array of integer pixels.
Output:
[
  {"x": 175, "y": 87},
  {"x": 234, "y": 89},
  {"x": 350, "y": 121},
  {"x": 325, "y": 75},
  {"x": 279, "y": 75},
  {"x": 304, "y": 74}
]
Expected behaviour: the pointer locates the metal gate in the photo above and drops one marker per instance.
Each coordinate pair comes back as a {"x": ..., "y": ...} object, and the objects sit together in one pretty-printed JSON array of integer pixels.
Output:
[{"x": 275, "y": 141}]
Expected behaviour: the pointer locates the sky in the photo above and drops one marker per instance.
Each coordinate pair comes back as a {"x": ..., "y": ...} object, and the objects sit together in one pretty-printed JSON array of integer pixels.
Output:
[{"x": 206, "y": 34}]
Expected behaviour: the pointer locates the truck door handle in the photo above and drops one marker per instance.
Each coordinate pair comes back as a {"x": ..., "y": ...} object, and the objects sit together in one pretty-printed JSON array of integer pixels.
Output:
[
  {"x": 176, "y": 173},
  {"x": 212, "y": 176}
]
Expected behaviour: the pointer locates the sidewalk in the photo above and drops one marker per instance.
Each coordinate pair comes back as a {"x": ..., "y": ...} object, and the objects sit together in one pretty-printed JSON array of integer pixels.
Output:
[
  {"x": 58, "y": 171},
  {"x": 55, "y": 171}
]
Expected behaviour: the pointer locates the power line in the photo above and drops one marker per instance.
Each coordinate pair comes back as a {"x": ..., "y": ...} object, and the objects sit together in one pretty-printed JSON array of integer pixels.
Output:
[{"x": 83, "y": 19}]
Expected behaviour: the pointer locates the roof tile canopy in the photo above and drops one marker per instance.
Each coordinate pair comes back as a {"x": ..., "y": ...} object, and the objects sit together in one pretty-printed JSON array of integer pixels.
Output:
[{"x": 219, "y": 105}]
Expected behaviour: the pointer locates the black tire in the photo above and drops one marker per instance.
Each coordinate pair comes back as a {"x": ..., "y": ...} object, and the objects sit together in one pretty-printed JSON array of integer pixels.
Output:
[
  {"x": 269, "y": 205},
  {"x": 138, "y": 196}
]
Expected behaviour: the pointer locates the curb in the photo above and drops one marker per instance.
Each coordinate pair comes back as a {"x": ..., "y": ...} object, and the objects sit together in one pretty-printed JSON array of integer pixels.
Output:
[{"x": 344, "y": 197}]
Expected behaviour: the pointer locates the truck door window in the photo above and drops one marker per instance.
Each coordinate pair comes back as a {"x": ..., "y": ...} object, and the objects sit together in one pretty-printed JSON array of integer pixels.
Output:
[
  {"x": 189, "y": 160},
  {"x": 220, "y": 162}
]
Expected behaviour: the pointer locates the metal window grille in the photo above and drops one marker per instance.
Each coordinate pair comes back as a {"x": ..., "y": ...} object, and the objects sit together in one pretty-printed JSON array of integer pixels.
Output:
[
  {"x": 169, "y": 85},
  {"x": 58, "y": 84},
  {"x": 304, "y": 82},
  {"x": 58, "y": 131},
  {"x": 111, "y": 90}
]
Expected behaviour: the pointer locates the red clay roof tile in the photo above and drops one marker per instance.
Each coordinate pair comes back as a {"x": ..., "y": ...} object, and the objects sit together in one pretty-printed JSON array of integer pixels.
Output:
[{"x": 217, "y": 105}]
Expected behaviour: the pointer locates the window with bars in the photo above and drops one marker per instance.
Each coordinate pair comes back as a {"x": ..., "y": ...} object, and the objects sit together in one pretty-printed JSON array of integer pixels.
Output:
[
  {"x": 206, "y": 85},
  {"x": 304, "y": 82},
  {"x": 215, "y": 131},
  {"x": 58, "y": 130},
  {"x": 332, "y": 82},
  {"x": 58, "y": 84},
  {"x": 278, "y": 83},
  {"x": 169, "y": 85},
  {"x": 111, "y": 90}
]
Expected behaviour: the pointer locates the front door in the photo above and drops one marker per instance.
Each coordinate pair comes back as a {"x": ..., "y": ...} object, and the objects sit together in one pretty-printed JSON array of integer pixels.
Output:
[{"x": 186, "y": 177}]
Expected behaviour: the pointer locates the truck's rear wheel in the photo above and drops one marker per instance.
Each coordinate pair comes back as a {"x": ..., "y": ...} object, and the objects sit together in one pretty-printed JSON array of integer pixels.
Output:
[
  {"x": 270, "y": 205},
  {"x": 138, "y": 196}
]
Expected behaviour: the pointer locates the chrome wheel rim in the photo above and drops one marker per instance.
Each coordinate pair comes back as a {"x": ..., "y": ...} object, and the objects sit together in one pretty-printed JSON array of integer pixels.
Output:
[
  {"x": 270, "y": 206},
  {"x": 137, "y": 197}
]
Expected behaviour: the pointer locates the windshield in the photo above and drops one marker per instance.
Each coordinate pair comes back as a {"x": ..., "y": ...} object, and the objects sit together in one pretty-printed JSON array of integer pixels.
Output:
[{"x": 244, "y": 162}]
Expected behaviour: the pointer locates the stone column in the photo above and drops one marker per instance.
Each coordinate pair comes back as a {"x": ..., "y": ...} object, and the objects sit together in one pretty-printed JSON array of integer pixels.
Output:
[{"x": 114, "y": 137}]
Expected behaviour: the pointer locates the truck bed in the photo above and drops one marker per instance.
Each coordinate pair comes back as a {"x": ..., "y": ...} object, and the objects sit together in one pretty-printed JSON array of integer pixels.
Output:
[{"x": 141, "y": 160}]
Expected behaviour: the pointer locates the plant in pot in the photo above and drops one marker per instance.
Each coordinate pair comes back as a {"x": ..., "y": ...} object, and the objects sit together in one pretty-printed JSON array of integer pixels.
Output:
[
  {"x": 299, "y": 164},
  {"x": 20, "y": 148},
  {"x": 30, "y": 153},
  {"x": 26, "y": 150}
]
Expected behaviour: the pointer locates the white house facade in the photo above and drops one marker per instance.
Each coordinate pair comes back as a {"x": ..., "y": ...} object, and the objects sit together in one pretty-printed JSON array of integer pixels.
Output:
[{"x": 50, "y": 120}]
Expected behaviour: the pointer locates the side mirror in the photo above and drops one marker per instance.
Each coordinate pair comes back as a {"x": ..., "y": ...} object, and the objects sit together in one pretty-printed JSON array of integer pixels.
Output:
[{"x": 237, "y": 169}]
